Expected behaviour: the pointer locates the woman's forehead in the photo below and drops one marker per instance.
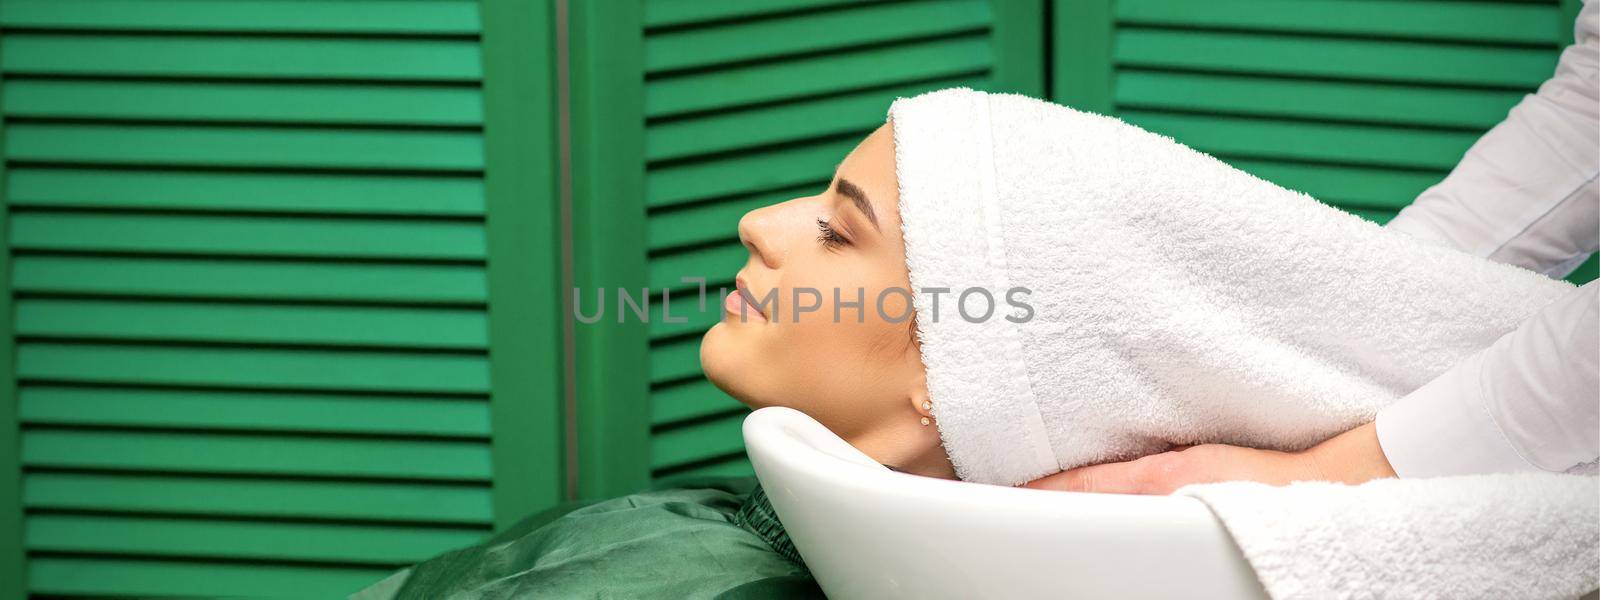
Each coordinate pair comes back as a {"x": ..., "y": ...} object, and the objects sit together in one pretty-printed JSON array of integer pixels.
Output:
[{"x": 871, "y": 168}]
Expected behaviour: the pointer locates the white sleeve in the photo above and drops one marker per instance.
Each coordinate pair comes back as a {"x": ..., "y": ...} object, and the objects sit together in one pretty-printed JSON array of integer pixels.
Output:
[
  {"x": 1530, "y": 401},
  {"x": 1525, "y": 193}
]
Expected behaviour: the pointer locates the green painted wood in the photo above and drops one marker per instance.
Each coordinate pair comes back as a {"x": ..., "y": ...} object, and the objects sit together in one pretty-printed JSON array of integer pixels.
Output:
[
  {"x": 111, "y": 55},
  {"x": 662, "y": 13},
  {"x": 148, "y": 536},
  {"x": 770, "y": 82},
  {"x": 676, "y": 446},
  {"x": 443, "y": 17},
  {"x": 247, "y": 192},
  {"x": 1476, "y": 109},
  {"x": 259, "y": 498},
  {"x": 706, "y": 222},
  {"x": 67, "y": 575},
  {"x": 1081, "y": 67},
  {"x": 217, "y": 146},
  {"x": 1018, "y": 40},
  {"x": 264, "y": 412},
  {"x": 675, "y": 360},
  {"x": 256, "y": 454},
  {"x": 256, "y": 292},
  {"x": 1361, "y": 59},
  {"x": 250, "y": 279},
  {"x": 812, "y": 32},
  {"x": 855, "y": 114},
  {"x": 255, "y": 367},
  {"x": 527, "y": 401},
  {"x": 689, "y": 400},
  {"x": 133, "y": 320},
  {"x": 686, "y": 312},
  {"x": 747, "y": 172},
  {"x": 13, "y": 557},
  {"x": 247, "y": 236},
  {"x": 1328, "y": 142},
  {"x": 608, "y": 100},
  {"x": 362, "y": 104},
  {"x": 734, "y": 466},
  {"x": 716, "y": 264},
  {"x": 1476, "y": 22}
]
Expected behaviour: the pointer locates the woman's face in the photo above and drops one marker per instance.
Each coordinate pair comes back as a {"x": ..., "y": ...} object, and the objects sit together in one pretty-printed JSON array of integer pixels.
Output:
[{"x": 807, "y": 329}]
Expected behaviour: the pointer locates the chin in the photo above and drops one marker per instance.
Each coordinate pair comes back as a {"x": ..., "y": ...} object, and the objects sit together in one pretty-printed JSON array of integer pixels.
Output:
[{"x": 718, "y": 360}]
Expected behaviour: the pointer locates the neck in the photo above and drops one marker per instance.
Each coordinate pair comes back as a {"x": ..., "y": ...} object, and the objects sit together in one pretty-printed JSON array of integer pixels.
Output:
[{"x": 914, "y": 449}]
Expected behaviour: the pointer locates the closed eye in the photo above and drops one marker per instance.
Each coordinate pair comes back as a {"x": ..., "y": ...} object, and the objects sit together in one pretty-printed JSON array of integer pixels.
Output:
[{"x": 829, "y": 237}]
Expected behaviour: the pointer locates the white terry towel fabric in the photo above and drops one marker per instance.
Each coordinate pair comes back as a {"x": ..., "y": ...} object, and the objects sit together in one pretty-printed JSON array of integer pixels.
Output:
[
  {"x": 1175, "y": 300},
  {"x": 1526, "y": 535}
]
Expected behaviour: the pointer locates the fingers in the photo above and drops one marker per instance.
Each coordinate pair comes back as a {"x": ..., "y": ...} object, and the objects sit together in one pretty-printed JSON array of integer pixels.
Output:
[{"x": 1132, "y": 477}]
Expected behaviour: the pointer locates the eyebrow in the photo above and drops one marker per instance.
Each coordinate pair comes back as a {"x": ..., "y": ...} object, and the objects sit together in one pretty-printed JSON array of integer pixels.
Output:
[{"x": 849, "y": 190}]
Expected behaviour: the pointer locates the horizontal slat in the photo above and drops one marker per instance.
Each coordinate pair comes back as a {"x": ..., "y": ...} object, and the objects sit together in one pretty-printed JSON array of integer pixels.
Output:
[
  {"x": 217, "y": 146},
  {"x": 1434, "y": 106},
  {"x": 746, "y": 173},
  {"x": 659, "y": 13},
  {"x": 123, "y": 577},
  {"x": 1331, "y": 142},
  {"x": 679, "y": 445},
  {"x": 256, "y": 454},
  {"x": 254, "y": 367},
  {"x": 268, "y": 280},
  {"x": 255, "y": 192},
  {"x": 1379, "y": 60},
  {"x": 716, "y": 265},
  {"x": 689, "y": 400},
  {"x": 1524, "y": 23},
  {"x": 685, "y": 306},
  {"x": 258, "y": 497},
  {"x": 675, "y": 360},
  {"x": 323, "y": 16},
  {"x": 815, "y": 32},
  {"x": 252, "y": 411},
  {"x": 737, "y": 466},
  {"x": 252, "y": 323},
  {"x": 715, "y": 221},
  {"x": 726, "y": 88},
  {"x": 247, "y": 236},
  {"x": 361, "y": 544},
  {"x": 857, "y": 113},
  {"x": 243, "y": 102},
  {"x": 1345, "y": 185},
  {"x": 240, "y": 57}
]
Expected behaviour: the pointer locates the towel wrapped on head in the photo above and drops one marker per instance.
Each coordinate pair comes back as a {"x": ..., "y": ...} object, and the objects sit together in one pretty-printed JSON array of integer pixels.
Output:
[{"x": 1176, "y": 299}]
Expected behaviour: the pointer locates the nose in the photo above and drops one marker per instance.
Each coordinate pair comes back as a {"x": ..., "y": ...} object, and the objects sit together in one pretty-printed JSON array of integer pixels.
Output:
[{"x": 757, "y": 234}]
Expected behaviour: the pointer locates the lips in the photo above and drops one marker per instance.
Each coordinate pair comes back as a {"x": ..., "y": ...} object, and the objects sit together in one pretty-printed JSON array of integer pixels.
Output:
[{"x": 741, "y": 303}]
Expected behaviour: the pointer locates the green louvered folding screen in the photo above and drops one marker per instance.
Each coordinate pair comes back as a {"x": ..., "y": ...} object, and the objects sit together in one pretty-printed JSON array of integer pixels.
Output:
[
  {"x": 747, "y": 104},
  {"x": 248, "y": 264},
  {"x": 1362, "y": 104}
]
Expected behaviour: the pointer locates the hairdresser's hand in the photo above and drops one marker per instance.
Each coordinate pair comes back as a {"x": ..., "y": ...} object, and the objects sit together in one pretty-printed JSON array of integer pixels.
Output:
[{"x": 1351, "y": 457}]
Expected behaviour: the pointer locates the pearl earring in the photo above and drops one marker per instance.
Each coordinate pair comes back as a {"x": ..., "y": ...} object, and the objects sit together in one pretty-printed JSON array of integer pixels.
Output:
[{"x": 925, "y": 421}]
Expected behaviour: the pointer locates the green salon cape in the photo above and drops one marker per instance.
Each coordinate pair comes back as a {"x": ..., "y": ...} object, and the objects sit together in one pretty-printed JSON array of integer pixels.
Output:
[{"x": 714, "y": 538}]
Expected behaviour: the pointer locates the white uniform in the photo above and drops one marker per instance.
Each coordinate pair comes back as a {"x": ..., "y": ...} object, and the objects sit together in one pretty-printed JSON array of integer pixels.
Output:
[{"x": 1524, "y": 194}]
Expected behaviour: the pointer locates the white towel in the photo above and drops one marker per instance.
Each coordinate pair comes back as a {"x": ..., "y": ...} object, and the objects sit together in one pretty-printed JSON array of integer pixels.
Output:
[
  {"x": 1175, "y": 299},
  {"x": 1530, "y": 535}
]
